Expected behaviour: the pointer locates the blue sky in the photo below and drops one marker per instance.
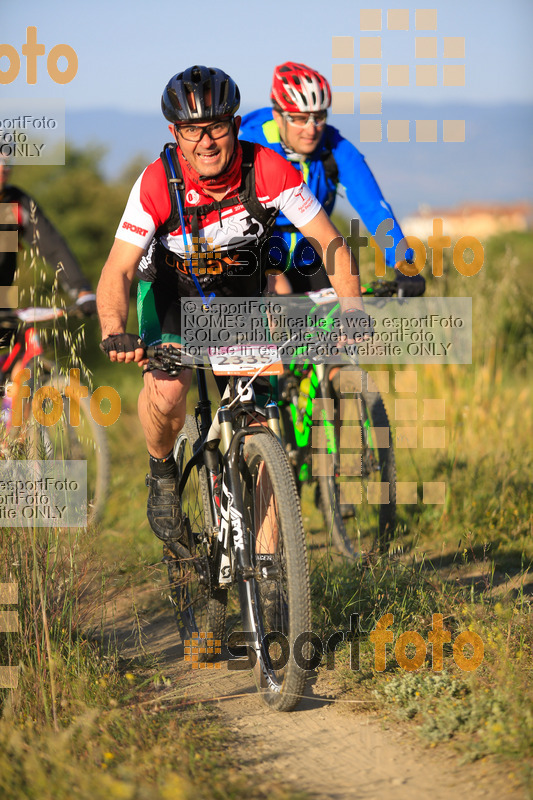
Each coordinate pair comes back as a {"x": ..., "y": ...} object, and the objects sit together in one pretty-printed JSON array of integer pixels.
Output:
[{"x": 128, "y": 50}]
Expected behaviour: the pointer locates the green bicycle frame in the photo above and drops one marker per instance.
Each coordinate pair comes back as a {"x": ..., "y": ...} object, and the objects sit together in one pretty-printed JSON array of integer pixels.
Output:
[{"x": 303, "y": 422}]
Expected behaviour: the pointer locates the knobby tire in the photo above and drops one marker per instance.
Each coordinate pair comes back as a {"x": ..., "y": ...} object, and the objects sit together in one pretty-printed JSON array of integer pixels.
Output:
[{"x": 277, "y": 600}]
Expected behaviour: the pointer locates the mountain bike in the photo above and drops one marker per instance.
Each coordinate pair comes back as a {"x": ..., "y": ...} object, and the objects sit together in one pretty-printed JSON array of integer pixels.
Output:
[
  {"x": 242, "y": 527},
  {"x": 348, "y": 453},
  {"x": 63, "y": 440}
]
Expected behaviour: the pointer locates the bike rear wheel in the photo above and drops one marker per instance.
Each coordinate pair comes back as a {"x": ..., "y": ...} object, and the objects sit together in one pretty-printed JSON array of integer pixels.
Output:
[
  {"x": 199, "y": 605},
  {"x": 357, "y": 480},
  {"x": 275, "y": 603}
]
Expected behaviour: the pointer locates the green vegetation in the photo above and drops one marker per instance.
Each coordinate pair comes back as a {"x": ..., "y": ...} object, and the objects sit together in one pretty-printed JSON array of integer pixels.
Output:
[
  {"x": 84, "y": 721},
  {"x": 469, "y": 558}
]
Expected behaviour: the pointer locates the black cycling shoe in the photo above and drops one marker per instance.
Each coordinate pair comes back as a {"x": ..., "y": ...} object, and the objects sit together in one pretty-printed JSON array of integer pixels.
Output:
[{"x": 163, "y": 508}]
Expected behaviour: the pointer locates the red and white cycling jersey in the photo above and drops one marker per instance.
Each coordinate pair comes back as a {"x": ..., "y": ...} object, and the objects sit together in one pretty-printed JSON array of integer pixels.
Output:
[{"x": 277, "y": 183}]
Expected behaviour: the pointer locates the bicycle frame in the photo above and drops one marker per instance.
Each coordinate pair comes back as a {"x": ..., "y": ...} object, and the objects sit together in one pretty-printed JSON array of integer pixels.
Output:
[
  {"x": 221, "y": 442},
  {"x": 24, "y": 351},
  {"x": 302, "y": 420}
]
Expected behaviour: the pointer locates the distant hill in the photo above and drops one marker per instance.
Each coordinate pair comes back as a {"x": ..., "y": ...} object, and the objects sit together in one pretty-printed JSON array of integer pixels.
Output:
[{"x": 494, "y": 163}]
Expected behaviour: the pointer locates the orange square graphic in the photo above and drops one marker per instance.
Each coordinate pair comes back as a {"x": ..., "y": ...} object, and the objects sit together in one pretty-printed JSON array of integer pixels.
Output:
[
  {"x": 322, "y": 465},
  {"x": 434, "y": 408},
  {"x": 453, "y": 130},
  {"x": 342, "y": 46},
  {"x": 9, "y": 242},
  {"x": 350, "y": 437},
  {"x": 378, "y": 493},
  {"x": 405, "y": 409},
  {"x": 351, "y": 492},
  {"x": 398, "y": 130},
  {"x": 378, "y": 381},
  {"x": 426, "y": 130},
  {"x": 434, "y": 493},
  {"x": 9, "y": 677},
  {"x": 9, "y": 620},
  {"x": 407, "y": 437},
  {"x": 370, "y": 102},
  {"x": 351, "y": 409},
  {"x": 434, "y": 438},
  {"x": 426, "y": 75},
  {"x": 398, "y": 19},
  {"x": 406, "y": 492},
  {"x": 351, "y": 464},
  {"x": 7, "y": 214},
  {"x": 351, "y": 381},
  {"x": 380, "y": 437},
  {"x": 426, "y": 19},
  {"x": 9, "y": 593},
  {"x": 318, "y": 437},
  {"x": 454, "y": 46},
  {"x": 323, "y": 408},
  {"x": 202, "y": 644},
  {"x": 405, "y": 381},
  {"x": 370, "y": 19}
]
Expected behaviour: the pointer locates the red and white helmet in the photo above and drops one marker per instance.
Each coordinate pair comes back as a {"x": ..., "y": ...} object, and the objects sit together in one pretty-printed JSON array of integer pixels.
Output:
[{"x": 296, "y": 87}]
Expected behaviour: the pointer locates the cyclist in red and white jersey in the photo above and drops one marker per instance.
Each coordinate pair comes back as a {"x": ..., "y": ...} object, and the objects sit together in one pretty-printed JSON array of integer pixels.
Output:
[{"x": 219, "y": 196}]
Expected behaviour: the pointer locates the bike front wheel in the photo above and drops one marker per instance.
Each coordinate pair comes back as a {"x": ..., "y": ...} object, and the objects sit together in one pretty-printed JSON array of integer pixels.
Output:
[
  {"x": 357, "y": 475},
  {"x": 200, "y": 605},
  {"x": 275, "y": 603}
]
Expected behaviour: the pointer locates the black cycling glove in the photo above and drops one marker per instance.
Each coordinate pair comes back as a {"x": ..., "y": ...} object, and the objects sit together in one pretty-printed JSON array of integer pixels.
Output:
[
  {"x": 411, "y": 286},
  {"x": 122, "y": 343},
  {"x": 357, "y": 324}
]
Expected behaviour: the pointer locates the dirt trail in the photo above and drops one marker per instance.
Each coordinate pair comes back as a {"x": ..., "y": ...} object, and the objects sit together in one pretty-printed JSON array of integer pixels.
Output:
[{"x": 327, "y": 748}]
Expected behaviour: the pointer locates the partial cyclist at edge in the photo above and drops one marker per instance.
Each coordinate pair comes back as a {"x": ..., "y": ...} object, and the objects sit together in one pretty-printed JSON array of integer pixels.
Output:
[
  {"x": 32, "y": 225},
  {"x": 296, "y": 127},
  {"x": 205, "y": 185}
]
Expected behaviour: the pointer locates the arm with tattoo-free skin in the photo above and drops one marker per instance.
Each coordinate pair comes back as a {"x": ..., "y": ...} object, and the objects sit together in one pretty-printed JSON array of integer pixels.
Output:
[{"x": 113, "y": 292}]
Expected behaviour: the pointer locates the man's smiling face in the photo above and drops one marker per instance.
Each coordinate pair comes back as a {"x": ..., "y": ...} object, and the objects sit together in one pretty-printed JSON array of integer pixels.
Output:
[{"x": 208, "y": 156}]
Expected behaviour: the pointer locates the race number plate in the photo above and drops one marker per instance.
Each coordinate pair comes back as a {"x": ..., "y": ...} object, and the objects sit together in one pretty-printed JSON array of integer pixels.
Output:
[
  {"x": 323, "y": 296},
  {"x": 245, "y": 360}
]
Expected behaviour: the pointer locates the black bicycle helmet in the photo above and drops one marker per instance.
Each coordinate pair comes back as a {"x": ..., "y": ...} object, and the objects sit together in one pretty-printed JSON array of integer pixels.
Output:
[{"x": 196, "y": 82}]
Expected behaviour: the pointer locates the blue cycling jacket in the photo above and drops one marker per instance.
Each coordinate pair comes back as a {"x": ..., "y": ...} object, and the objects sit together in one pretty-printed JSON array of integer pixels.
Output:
[{"x": 361, "y": 187}]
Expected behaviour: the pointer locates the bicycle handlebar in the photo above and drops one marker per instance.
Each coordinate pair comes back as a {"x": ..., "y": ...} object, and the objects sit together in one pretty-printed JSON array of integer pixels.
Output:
[
  {"x": 169, "y": 359},
  {"x": 381, "y": 288}
]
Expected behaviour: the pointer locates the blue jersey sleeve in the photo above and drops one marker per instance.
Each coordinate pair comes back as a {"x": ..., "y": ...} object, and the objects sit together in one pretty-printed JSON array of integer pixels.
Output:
[
  {"x": 362, "y": 189},
  {"x": 366, "y": 198}
]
